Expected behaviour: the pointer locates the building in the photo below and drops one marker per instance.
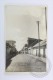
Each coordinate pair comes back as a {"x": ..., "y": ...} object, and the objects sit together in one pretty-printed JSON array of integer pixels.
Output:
[
  {"x": 42, "y": 48},
  {"x": 11, "y": 42},
  {"x": 33, "y": 47},
  {"x": 10, "y": 49},
  {"x": 25, "y": 49},
  {"x": 31, "y": 43}
]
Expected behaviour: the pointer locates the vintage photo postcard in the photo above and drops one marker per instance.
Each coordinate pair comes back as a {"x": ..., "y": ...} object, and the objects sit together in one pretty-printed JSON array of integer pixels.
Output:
[{"x": 26, "y": 38}]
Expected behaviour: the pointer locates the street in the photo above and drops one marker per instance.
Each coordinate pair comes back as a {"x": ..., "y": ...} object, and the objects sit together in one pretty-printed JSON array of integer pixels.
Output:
[{"x": 26, "y": 63}]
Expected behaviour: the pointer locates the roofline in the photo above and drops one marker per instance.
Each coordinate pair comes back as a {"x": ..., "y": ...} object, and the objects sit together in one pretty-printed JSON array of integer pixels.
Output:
[{"x": 10, "y": 41}]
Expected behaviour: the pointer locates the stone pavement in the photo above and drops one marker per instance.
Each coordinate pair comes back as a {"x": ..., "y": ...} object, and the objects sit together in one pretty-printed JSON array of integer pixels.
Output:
[{"x": 40, "y": 58}]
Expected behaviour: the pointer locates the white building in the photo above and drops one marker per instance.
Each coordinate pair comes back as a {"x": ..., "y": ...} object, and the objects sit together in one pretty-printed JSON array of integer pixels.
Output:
[{"x": 42, "y": 48}]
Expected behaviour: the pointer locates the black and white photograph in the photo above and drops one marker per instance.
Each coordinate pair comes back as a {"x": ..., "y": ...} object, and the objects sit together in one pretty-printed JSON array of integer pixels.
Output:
[{"x": 25, "y": 38}]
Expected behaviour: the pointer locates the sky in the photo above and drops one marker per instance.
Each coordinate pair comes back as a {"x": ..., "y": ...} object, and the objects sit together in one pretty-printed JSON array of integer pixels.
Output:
[{"x": 21, "y": 23}]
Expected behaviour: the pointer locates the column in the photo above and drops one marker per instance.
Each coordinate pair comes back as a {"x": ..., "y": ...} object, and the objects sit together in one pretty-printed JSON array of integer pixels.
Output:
[
  {"x": 44, "y": 52},
  {"x": 36, "y": 52}
]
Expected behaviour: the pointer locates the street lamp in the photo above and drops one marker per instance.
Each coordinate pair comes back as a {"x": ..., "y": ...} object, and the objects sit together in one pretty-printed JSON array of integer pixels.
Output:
[{"x": 38, "y": 37}]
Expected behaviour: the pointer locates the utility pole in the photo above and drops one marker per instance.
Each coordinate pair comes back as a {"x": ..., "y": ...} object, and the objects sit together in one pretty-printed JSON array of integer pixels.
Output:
[
  {"x": 38, "y": 37},
  {"x": 46, "y": 19}
]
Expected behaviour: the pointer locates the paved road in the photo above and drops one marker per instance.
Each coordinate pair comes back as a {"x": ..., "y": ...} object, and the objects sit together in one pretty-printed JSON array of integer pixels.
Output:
[{"x": 26, "y": 63}]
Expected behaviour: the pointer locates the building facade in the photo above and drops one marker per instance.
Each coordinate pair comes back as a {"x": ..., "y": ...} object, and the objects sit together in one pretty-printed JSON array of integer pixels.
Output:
[{"x": 42, "y": 50}]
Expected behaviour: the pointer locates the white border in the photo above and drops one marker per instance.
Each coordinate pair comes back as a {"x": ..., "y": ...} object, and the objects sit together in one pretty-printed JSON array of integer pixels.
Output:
[{"x": 25, "y": 76}]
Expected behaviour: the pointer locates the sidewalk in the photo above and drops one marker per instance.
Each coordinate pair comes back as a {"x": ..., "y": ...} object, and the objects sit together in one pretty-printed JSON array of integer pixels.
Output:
[{"x": 40, "y": 58}]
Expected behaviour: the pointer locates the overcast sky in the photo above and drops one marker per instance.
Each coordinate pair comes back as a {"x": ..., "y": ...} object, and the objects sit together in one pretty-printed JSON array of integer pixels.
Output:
[{"x": 21, "y": 23}]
